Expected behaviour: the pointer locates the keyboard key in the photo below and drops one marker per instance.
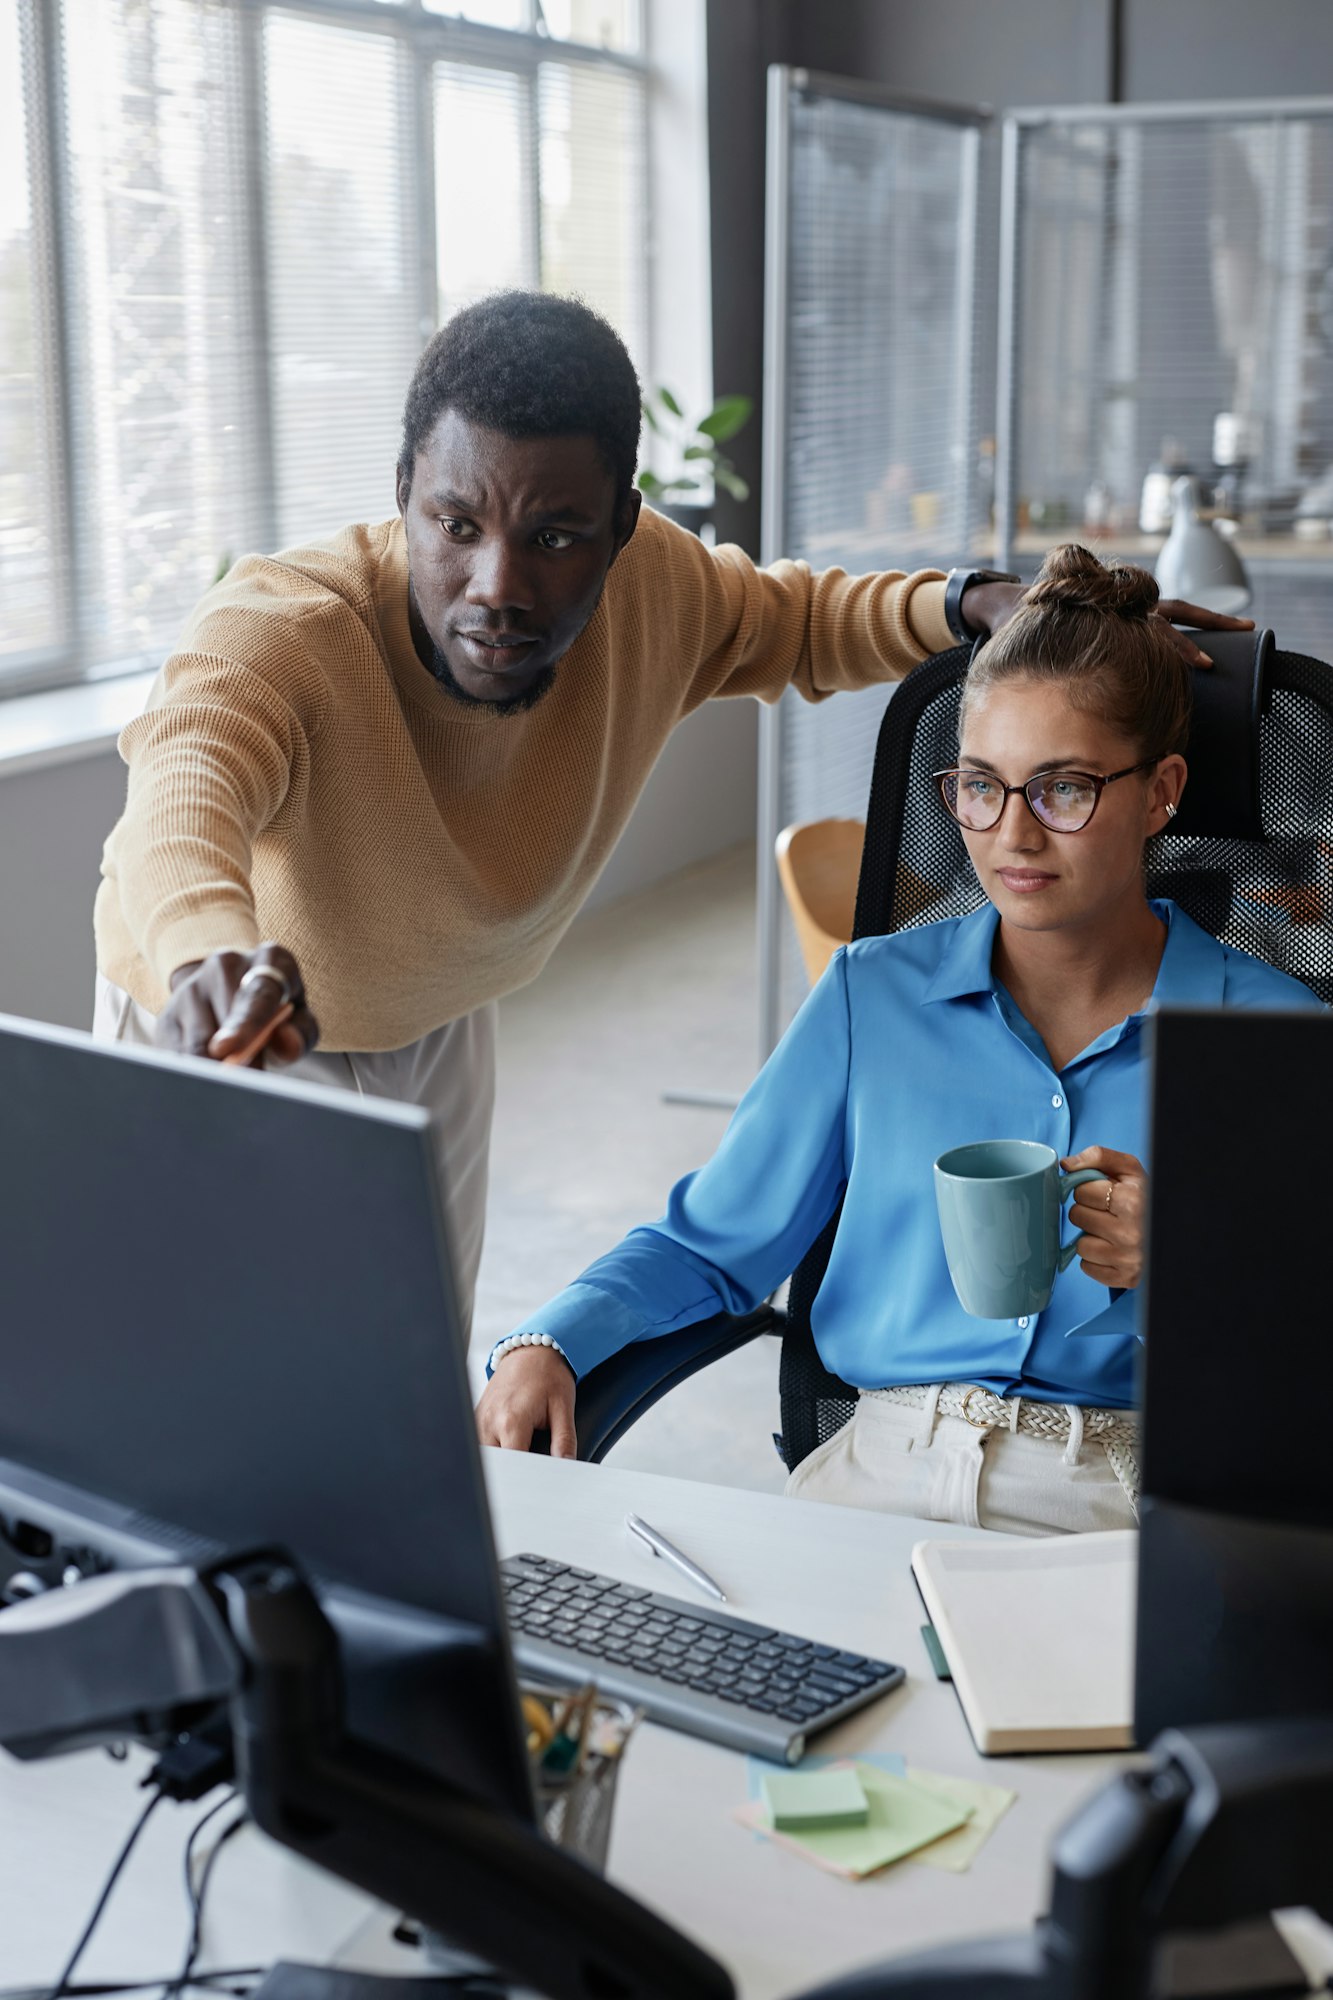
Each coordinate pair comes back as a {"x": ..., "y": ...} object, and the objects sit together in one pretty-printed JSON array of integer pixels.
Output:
[
  {"x": 838, "y": 1683},
  {"x": 848, "y": 1660},
  {"x": 673, "y": 1675},
  {"x": 732, "y": 1693},
  {"x": 689, "y": 1624},
  {"x": 583, "y": 1575},
  {"x": 824, "y": 1652}
]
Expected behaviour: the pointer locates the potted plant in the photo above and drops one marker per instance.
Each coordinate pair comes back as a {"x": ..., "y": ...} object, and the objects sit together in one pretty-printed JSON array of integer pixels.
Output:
[{"x": 701, "y": 464}]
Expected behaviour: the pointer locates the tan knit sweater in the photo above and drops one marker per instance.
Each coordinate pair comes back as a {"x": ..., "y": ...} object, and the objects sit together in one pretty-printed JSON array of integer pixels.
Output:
[{"x": 300, "y": 775}]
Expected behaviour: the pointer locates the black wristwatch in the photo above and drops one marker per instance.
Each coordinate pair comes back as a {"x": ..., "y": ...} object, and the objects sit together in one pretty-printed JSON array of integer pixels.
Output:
[{"x": 956, "y": 583}]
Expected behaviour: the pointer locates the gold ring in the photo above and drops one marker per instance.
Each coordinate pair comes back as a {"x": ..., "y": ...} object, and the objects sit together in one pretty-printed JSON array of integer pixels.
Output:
[{"x": 1110, "y": 1190}]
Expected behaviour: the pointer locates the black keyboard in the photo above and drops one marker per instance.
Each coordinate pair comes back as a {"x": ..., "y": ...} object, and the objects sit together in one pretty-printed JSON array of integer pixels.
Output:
[{"x": 686, "y": 1665}]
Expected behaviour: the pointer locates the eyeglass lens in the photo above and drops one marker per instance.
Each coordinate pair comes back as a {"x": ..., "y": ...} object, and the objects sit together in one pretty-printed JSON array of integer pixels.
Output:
[{"x": 1062, "y": 800}]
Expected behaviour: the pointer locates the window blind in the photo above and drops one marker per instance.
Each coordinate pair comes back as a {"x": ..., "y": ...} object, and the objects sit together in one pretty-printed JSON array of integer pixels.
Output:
[
  {"x": 31, "y": 609},
  {"x": 226, "y": 231},
  {"x": 344, "y": 313}
]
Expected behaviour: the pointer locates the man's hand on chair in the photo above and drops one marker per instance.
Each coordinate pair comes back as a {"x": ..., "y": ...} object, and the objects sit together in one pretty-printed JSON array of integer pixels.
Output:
[
  {"x": 532, "y": 1389},
  {"x": 987, "y": 606}
]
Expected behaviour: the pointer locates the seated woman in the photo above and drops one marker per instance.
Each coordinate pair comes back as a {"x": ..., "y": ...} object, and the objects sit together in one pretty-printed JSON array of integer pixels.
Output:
[{"x": 1021, "y": 1021}]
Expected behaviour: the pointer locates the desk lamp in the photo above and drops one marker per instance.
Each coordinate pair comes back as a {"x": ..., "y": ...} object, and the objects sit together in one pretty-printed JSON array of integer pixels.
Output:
[{"x": 1197, "y": 563}]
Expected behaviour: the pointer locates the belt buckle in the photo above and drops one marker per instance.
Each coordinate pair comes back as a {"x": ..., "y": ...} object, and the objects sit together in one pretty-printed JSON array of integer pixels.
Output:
[{"x": 976, "y": 1422}]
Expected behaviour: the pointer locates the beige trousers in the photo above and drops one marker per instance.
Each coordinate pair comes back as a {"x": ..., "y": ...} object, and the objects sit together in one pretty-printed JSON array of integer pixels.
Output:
[
  {"x": 450, "y": 1073},
  {"x": 898, "y": 1460}
]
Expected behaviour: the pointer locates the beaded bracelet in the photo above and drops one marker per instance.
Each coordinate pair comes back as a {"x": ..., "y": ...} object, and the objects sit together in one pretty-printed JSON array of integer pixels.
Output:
[{"x": 514, "y": 1340}]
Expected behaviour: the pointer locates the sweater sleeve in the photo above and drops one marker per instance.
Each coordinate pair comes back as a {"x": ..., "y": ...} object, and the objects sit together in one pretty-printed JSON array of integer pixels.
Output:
[
  {"x": 742, "y": 630},
  {"x": 210, "y": 763},
  {"x": 740, "y": 1225}
]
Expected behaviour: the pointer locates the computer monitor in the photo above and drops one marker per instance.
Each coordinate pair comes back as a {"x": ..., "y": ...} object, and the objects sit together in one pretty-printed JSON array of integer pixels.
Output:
[
  {"x": 228, "y": 1321},
  {"x": 1235, "y": 1601}
]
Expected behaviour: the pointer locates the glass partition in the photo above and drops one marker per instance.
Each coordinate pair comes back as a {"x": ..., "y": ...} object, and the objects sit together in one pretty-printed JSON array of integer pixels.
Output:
[{"x": 876, "y": 450}]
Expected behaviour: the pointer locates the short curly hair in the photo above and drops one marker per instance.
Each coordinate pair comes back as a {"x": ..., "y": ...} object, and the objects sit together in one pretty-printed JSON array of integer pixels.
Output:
[{"x": 530, "y": 364}]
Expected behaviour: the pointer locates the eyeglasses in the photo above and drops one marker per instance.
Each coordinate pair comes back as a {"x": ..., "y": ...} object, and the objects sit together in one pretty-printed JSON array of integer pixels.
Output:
[{"x": 1063, "y": 801}]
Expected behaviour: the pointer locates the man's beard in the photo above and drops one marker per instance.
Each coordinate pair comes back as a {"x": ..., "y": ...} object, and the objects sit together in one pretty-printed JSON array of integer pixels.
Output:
[{"x": 513, "y": 704}]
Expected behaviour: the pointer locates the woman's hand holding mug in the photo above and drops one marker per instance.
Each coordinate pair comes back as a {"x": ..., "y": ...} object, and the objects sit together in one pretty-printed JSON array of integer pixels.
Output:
[{"x": 1110, "y": 1214}]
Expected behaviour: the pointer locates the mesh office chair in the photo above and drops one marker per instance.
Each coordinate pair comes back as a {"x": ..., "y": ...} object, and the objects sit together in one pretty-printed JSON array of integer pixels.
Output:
[{"x": 1249, "y": 857}]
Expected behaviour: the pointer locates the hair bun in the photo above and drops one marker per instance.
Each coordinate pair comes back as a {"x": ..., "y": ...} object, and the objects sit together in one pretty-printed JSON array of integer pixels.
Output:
[{"x": 1074, "y": 577}]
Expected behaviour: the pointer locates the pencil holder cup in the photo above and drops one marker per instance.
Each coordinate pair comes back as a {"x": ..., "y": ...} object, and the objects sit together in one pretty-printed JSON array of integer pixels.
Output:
[{"x": 574, "y": 1807}]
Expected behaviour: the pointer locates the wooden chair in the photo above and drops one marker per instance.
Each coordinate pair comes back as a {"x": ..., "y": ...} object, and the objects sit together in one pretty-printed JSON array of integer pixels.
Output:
[{"x": 819, "y": 864}]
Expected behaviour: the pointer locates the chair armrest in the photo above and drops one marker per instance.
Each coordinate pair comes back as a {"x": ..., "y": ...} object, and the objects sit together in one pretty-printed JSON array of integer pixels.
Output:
[{"x": 616, "y": 1394}]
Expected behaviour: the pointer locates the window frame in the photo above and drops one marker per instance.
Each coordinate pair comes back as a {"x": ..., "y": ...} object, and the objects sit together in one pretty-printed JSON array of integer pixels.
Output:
[{"x": 425, "y": 38}]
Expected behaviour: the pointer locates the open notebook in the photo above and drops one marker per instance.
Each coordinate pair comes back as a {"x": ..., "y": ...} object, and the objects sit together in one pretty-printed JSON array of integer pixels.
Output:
[{"x": 1039, "y": 1636}]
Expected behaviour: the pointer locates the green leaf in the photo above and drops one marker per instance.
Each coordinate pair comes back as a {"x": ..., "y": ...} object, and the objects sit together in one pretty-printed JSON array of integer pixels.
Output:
[
  {"x": 649, "y": 418},
  {"x": 668, "y": 402},
  {"x": 727, "y": 416},
  {"x": 684, "y": 485},
  {"x": 224, "y": 564},
  {"x": 731, "y": 482},
  {"x": 707, "y": 451},
  {"x": 649, "y": 483}
]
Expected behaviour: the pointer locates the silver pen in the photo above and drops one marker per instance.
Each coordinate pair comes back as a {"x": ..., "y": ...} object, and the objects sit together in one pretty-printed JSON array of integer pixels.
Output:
[{"x": 660, "y": 1546}]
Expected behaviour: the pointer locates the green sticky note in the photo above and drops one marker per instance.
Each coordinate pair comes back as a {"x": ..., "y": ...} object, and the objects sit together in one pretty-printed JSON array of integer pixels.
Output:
[
  {"x": 798, "y": 1801},
  {"x": 989, "y": 1803},
  {"x": 900, "y": 1819}
]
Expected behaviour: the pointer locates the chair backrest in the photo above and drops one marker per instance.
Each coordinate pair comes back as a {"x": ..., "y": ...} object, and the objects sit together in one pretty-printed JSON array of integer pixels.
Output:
[
  {"x": 1250, "y": 858},
  {"x": 819, "y": 864}
]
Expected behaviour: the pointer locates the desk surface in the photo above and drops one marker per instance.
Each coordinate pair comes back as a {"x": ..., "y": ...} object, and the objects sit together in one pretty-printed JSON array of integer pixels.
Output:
[
  {"x": 836, "y": 1574},
  {"x": 778, "y": 1924}
]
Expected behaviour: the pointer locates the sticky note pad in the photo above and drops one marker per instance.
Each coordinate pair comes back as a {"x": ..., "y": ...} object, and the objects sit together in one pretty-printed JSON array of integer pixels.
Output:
[
  {"x": 901, "y": 1819},
  {"x": 957, "y": 1851},
  {"x": 804, "y": 1801}
]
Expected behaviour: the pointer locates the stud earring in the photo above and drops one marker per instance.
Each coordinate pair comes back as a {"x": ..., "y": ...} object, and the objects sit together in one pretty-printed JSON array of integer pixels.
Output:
[{"x": 1170, "y": 810}]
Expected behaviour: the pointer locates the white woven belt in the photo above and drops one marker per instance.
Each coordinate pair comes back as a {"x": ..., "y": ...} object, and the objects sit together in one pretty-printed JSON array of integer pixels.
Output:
[{"x": 1116, "y": 1431}]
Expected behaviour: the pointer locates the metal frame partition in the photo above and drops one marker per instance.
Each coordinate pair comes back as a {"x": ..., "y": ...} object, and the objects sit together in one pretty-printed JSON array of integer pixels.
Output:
[
  {"x": 1061, "y": 301},
  {"x": 871, "y": 408},
  {"x": 1166, "y": 302}
]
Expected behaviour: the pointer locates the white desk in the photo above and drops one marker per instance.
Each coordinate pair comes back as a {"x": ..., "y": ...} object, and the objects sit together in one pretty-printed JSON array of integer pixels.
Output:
[{"x": 777, "y": 1923}]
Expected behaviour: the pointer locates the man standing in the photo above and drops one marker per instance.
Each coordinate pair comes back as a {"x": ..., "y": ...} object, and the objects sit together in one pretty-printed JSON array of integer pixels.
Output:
[{"x": 404, "y": 754}]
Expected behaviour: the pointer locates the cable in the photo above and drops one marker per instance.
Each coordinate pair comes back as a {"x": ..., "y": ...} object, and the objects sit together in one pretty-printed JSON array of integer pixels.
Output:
[
  {"x": 191, "y": 1893},
  {"x": 214, "y": 1982},
  {"x": 61, "y": 1987},
  {"x": 184, "y": 1976}
]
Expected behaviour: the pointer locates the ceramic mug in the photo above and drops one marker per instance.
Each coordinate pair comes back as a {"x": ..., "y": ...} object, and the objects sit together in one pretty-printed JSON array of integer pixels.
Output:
[{"x": 1001, "y": 1203}]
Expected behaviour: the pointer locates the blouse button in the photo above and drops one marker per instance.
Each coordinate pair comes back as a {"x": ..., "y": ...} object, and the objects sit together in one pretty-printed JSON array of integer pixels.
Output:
[
  {"x": 1057, "y": 1101},
  {"x": 1022, "y": 1322}
]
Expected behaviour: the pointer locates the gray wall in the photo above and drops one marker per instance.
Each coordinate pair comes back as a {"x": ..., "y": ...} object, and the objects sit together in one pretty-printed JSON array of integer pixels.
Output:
[
  {"x": 699, "y": 800},
  {"x": 52, "y": 825},
  {"x": 1002, "y": 53}
]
